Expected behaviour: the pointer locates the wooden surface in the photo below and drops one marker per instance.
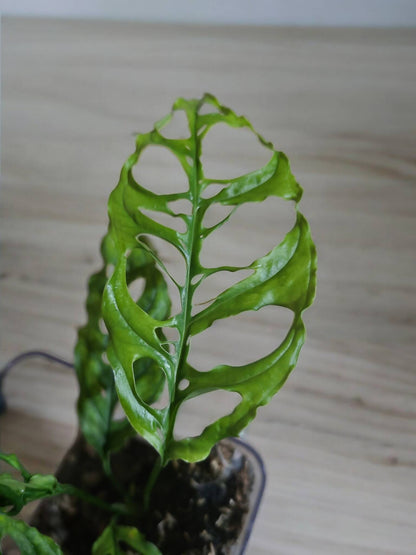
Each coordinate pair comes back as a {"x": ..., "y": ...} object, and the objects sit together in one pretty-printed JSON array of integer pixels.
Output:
[{"x": 339, "y": 440}]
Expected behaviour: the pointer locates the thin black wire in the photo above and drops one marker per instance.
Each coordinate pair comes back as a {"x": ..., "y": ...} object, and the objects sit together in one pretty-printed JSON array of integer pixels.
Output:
[{"x": 19, "y": 358}]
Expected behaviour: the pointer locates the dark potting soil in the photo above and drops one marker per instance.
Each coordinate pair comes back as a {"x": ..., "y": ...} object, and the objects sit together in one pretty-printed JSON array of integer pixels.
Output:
[{"x": 195, "y": 509}]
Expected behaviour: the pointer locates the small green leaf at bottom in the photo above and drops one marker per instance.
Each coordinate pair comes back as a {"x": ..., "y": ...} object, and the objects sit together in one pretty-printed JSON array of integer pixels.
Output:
[
  {"x": 109, "y": 542},
  {"x": 28, "y": 539}
]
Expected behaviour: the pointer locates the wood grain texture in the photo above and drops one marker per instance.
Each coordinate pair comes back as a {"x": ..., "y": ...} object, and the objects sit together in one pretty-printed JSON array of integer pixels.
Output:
[{"x": 339, "y": 441}]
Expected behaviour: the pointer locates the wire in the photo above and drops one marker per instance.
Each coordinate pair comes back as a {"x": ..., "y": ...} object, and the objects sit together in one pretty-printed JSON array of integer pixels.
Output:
[{"x": 19, "y": 358}]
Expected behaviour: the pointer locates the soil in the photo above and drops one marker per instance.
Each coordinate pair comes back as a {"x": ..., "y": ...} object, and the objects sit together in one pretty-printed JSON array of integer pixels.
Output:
[{"x": 195, "y": 509}]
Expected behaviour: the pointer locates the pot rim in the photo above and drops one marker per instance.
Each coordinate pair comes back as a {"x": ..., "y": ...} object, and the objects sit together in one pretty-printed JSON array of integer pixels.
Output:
[{"x": 256, "y": 494}]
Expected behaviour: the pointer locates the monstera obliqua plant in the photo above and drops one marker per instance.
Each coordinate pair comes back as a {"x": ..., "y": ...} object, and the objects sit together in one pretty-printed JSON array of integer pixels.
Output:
[{"x": 132, "y": 360}]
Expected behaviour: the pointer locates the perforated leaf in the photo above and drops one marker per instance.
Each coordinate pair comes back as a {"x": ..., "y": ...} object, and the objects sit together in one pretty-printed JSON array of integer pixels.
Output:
[
  {"x": 97, "y": 397},
  {"x": 284, "y": 277}
]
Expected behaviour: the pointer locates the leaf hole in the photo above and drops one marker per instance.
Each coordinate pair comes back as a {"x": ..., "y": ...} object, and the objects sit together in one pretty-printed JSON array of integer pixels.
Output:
[
  {"x": 171, "y": 333},
  {"x": 171, "y": 261},
  {"x": 102, "y": 327},
  {"x": 169, "y": 337},
  {"x": 212, "y": 286},
  {"x": 163, "y": 401},
  {"x": 109, "y": 270},
  {"x": 207, "y": 108},
  {"x": 159, "y": 171},
  {"x": 212, "y": 190},
  {"x": 181, "y": 206},
  {"x": 229, "y": 152},
  {"x": 252, "y": 231},
  {"x": 183, "y": 384},
  {"x": 215, "y": 214},
  {"x": 240, "y": 339},
  {"x": 118, "y": 412},
  {"x": 177, "y": 224},
  {"x": 196, "y": 414},
  {"x": 168, "y": 343},
  {"x": 177, "y": 127},
  {"x": 195, "y": 279},
  {"x": 136, "y": 288},
  {"x": 150, "y": 380}
]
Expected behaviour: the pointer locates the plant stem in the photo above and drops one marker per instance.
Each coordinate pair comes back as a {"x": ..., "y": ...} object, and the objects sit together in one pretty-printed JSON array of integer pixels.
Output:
[
  {"x": 187, "y": 290},
  {"x": 72, "y": 490},
  {"x": 151, "y": 482},
  {"x": 106, "y": 462}
]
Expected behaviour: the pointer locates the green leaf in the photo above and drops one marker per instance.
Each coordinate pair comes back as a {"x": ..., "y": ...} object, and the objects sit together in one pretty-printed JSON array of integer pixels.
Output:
[
  {"x": 28, "y": 539},
  {"x": 14, "y": 462},
  {"x": 285, "y": 276},
  {"x": 109, "y": 542},
  {"x": 97, "y": 398},
  {"x": 15, "y": 494}
]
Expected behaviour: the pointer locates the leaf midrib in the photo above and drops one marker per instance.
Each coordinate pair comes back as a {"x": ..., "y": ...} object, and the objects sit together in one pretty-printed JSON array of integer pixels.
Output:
[{"x": 186, "y": 290}]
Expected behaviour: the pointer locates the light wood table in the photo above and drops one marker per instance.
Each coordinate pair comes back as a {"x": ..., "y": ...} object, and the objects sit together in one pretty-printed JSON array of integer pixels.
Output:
[{"x": 339, "y": 440}]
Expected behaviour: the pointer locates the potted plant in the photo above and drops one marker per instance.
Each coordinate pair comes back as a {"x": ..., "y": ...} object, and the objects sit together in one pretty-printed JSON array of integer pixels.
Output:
[{"x": 115, "y": 493}]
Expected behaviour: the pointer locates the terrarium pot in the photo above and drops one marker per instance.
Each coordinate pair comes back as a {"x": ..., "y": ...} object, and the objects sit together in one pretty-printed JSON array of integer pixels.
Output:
[
  {"x": 202, "y": 508},
  {"x": 206, "y": 507},
  {"x": 255, "y": 496}
]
